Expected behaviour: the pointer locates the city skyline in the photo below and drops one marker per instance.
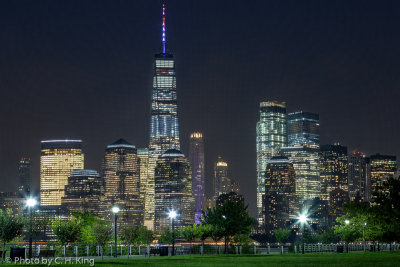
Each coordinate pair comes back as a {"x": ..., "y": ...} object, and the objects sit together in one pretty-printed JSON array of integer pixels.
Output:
[{"x": 53, "y": 106}]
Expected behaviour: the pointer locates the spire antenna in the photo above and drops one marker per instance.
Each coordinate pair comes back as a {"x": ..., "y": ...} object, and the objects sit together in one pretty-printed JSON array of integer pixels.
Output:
[{"x": 164, "y": 37}]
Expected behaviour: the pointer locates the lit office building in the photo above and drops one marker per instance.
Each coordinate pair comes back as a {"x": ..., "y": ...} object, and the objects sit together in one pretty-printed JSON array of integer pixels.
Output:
[
  {"x": 84, "y": 192},
  {"x": 383, "y": 167},
  {"x": 173, "y": 190},
  {"x": 231, "y": 196},
  {"x": 196, "y": 158},
  {"x": 24, "y": 173},
  {"x": 303, "y": 152},
  {"x": 122, "y": 187},
  {"x": 280, "y": 199},
  {"x": 164, "y": 130},
  {"x": 333, "y": 160},
  {"x": 357, "y": 176},
  {"x": 271, "y": 136},
  {"x": 12, "y": 201},
  {"x": 58, "y": 159},
  {"x": 143, "y": 156}
]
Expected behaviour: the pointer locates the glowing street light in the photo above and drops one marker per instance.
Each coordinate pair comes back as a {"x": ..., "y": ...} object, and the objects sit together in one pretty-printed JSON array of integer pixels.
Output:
[
  {"x": 303, "y": 220},
  {"x": 172, "y": 215},
  {"x": 115, "y": 210},
  {"x": 347, "y": 222},
  {"x": 30, "y": 203}
]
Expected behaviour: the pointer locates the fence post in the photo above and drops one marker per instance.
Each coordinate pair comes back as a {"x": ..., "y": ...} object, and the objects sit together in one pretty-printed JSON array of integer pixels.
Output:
[
  {"x": 64, "y": 254},
  {"x": 87, "y": 250},
  {"x": 131, "y": 250},
  {"x": 268, "y": 250},
  {"x": 76, "y": 251},
  {"x": 37, "y": 250},
  {"x": 255, "y": 249},
  {"x": 111, "y": 251},
  {"x": 236, "y": 250},
  {"x": 148, "y": 250},
  {"x": 201, "y": 249},
  {"x": 295, "y": 249},
  {"x": 121, "y": 250}
]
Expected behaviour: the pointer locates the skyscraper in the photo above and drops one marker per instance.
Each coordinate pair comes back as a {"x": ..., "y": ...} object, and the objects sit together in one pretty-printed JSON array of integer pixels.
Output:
[
  {"x": 84, "y": 192},
  {"x": 58, "y": 159},
  {"x": 271, "y": 136},
  {"x": 303, "y": 152},
  {"x": 357, "y": 175},
  {"x": 164, "y": 130},
  {"x": 173, "y": 190},
  {"x": 383, "y": 167},
  {"x": 279, "y": 198},
  {"x": 222, "y": 183},
  {"x": 143, "y": 156},
  {"x": 122, "y": 187},
  {"x": 196, "y": 158},
  {"x": 333, "y": 169},
  {"x": 24, "y": 173}
]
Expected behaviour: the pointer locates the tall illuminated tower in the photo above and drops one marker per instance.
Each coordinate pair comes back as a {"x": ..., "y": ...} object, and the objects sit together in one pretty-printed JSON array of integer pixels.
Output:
[
  {"x": 58, "y": 159},
  {"x": 383, "y": 167},
  {"x": 271, "y": 136},
  {"x": 196, "y": 158},
  {"x": 164, "y": 131}
]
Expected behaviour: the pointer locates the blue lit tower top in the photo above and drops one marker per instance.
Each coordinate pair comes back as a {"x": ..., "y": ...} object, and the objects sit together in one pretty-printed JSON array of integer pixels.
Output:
[{"x": 164, "y": 37}]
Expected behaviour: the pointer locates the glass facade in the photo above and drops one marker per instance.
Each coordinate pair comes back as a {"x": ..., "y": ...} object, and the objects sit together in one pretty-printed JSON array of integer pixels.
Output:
[
  {"x": 84, "y": 192},
  {"x": 196, "y": 158},
  {"x": 143, "y": 156},
  {"x": 271, "y": 136},
  {"x": 333, "y": 169},
  {"x": 122, "y": 186},
  {"x": 58, "y": 159},
  {"x": 303, "y": 152},
  {"x": 173, "y": 190},
  {"x": 383, "y": 167},
  {"x": 279, "y": 198},
  {"x": 222, "y": 183}
]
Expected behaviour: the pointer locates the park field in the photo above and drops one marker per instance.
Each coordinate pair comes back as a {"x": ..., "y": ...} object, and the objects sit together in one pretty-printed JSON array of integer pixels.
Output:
[{"x": 353, "y": 259}]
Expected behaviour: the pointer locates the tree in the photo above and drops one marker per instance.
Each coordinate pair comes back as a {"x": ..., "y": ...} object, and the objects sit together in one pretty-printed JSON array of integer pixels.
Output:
[
  {"x": 327, "y": 236},
  {"x": 282, "y": 235},
  {"x": 144, "y": 235},
  {"x": 229, "y": 220},
  {"x": 348, "y": 232},
  {"x": 202, "y": 231},
  {"x": 38, "y": 225},
  {"x": 309, "y": 237},
  {"x": 10, "y": 227},
  {"x": 188, "y": 233},
  {"x": 129, "y": 234},
  {"x": 102, "y": 234},
  {"x": 241, "y": 239},
  {"x": 166, "y": 237},
  {"x": 68, "y": 231}
]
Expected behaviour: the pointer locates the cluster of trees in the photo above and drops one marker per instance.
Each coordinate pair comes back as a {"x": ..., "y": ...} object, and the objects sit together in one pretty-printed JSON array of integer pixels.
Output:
[
  {"x": 378, "y": 222},
  {"x": 230, "y": 222}
]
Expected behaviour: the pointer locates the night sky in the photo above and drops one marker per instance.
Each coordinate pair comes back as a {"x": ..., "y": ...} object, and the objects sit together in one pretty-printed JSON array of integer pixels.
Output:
[{"x": 83, "y": 69}]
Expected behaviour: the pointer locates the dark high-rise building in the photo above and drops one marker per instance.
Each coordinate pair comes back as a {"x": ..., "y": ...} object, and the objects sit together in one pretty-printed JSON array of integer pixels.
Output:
[
  {"x": 84, "y": 192},
  {"x": 232, "y": 196},
  {"x": 58, "y": 158},
  {"x": 337, "y": 198},
  {"x": 383, "y": 167},
  {"x": 333, "y": 159},
  {"x": 164, "y": 129},
  {"x": 122, "y": 186},
  {"x": 318, "y": 210},
  {"x": 173, "y": 190},
  {"x": 271, "y": 136},
  {"x": 303, "y": 152},
  {"x": 279, "y": 199},
  {"x": 24, "y": 173},
  {"x": 196, "y": 158},
  {"x": 357, "y": 176}
]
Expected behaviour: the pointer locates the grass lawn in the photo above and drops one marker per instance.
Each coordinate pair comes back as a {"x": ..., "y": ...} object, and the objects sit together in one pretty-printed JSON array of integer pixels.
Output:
[{"x": 353, "y": 259}]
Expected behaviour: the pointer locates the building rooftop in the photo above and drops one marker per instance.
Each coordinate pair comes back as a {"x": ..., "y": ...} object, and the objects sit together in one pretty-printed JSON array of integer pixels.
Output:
[
  {"x": 121, "y": 143},
  {"x": 172, "y": 153}
]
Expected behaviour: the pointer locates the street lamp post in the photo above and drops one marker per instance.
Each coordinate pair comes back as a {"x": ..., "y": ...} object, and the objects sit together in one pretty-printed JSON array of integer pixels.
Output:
[
  {"x": 365, "y": 224},
  {"x": 31, "y": 202},
  {"x": 172, "y": 215},
  {"x": 303, "y": 220},
  {"x": 115, "y": 210}
]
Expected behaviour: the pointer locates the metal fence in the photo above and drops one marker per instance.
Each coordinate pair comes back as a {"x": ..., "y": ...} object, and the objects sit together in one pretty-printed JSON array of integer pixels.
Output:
[{"x": 83, "y": 250}]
